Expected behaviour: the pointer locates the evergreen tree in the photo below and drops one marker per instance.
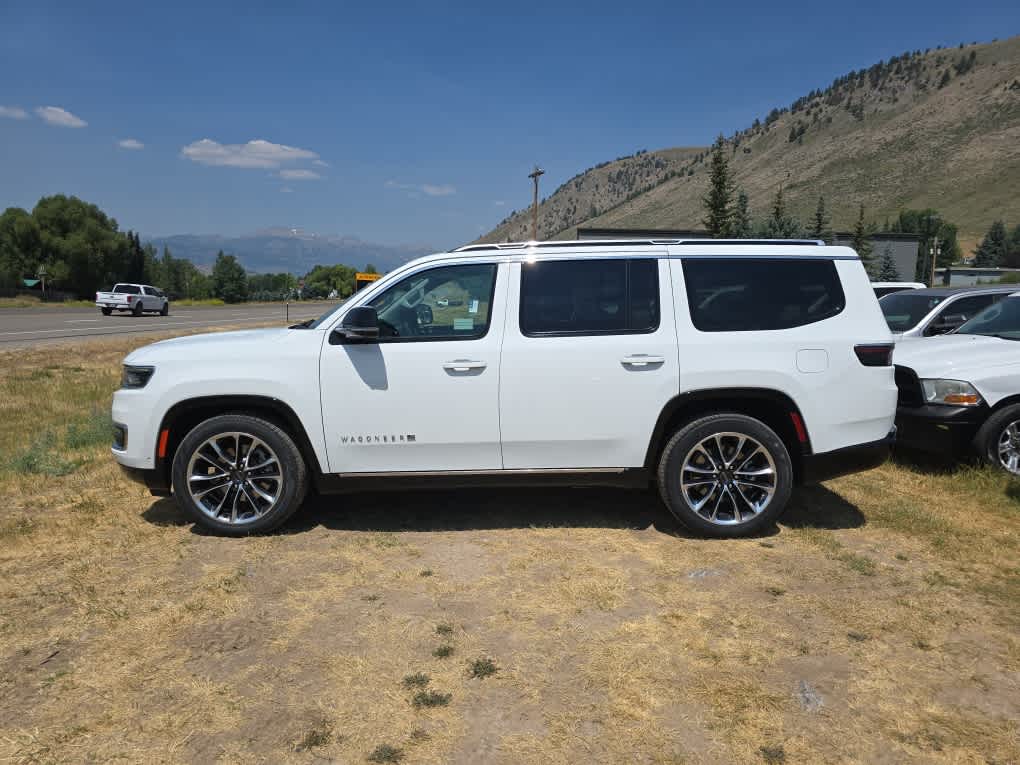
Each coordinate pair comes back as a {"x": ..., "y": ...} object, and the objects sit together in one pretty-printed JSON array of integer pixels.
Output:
[
  {"x": 779, "y": 224},
  {"x": 861, "y": 242},
  {"x": 1013, "y": 249},
  {"x": 887, "y": 271},
  {"x": 991, "y": 253},
  {"x": 719, "y": 200},
  {"x": 742, "y": 227},
  {"x": 230, "y": 283},
  {"x": 820, "y": 223}
]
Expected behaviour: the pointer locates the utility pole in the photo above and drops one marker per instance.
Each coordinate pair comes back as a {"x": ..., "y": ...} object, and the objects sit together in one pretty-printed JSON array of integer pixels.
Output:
[
  {"x": 534, "y": 202},
  {"x": 934, "y": 245},
  {"x": 936, "y": 250}
]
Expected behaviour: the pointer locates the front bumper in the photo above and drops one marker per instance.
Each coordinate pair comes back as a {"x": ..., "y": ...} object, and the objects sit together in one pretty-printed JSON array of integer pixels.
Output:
[
  {"x": 851, "y": 459},
  {"x": 154, "y": 480},
  {"x": 939, "y": 429}
]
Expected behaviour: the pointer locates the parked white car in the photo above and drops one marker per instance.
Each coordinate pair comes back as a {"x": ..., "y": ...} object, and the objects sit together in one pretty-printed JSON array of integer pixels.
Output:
[
  {"x": 927, "y": 312},
  {"x": 887, "y": 288},
  {"x": 723, "y": 371},
  {"x": 960, "y": 393},
  {"x": 136, "y": 298}
]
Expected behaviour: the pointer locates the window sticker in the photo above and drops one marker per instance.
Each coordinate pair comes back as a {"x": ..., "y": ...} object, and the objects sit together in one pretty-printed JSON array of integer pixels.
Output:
[{"x": 462, "y": 324}]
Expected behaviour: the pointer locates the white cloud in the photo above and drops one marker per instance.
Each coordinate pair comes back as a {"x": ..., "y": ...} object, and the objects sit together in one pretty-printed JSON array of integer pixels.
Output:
[
  {"x": 54, "y": 115},
  {"x": 443, "y": 190},
  {"x": 320, "y": 163},
  {"x": 433, "y": 190},
  {"x": 299, "y": 175},
  {"x": 13, "y": 112},
  {"x": 257, "y": 153},
  {"x": 286, "y": 190},
  {"x": 499, "y": 203},
  {"x": 131, "y": 143}
]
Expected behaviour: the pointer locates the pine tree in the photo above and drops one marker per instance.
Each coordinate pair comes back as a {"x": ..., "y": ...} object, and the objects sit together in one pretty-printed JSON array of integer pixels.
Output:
[
  {"x": 780, "y": 225},
  {"x": 230, "y": 282},
  {"x": 719, "y": 200},
  {"x": 742, "y": 227},
  {"x": 887, "y": 271},
  {"x": 991, "y": 253},
  {"x": 861, "y": 242},
  {"x": 1013, "y": 249},
  {"x": 820, "y": 223}
]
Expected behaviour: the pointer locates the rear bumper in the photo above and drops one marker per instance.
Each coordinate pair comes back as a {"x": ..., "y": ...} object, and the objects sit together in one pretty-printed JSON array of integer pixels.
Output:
[
  {"x": 851, "y": 459},
  {"x": 154, "y": 480},
  {"x": 939, "y": 429}
]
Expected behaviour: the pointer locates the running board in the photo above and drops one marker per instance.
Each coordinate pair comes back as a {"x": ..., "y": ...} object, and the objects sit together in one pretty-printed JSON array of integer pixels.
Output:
[{"x": 340, "y": 483}]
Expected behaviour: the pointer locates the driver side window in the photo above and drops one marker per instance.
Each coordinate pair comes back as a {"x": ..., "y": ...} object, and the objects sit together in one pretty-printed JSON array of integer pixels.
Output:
[{"x": 444, "y": 303}]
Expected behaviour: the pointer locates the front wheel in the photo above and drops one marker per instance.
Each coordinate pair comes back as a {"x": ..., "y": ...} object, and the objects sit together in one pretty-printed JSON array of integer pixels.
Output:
[
  {"x": 238, "y": 474},
  {"x": 998, "y": 440},
  {"x": 165, "y": 310},
  {"x": 725, "y": 475}
]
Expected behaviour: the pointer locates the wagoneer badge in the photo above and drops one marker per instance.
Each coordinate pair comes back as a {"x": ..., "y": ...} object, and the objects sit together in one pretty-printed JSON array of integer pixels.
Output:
[{"x": 401, "y": 439}]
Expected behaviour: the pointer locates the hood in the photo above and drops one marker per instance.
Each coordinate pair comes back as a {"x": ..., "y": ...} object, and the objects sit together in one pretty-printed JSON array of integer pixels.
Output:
[
  {"x": 220, "y": 345},
  {"x": 957, "y": 357}
]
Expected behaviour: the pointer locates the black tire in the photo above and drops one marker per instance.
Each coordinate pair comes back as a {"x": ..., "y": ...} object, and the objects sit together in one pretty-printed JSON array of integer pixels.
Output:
[
  {"x": 684, "y": 442},
  {"x": 137, "y": 310},
  {"x": 292, "y": 469},
  {"x": 106, "y": 311},
  {"x": 165, "y": 310},
  {"x": 989, "y": 436}
]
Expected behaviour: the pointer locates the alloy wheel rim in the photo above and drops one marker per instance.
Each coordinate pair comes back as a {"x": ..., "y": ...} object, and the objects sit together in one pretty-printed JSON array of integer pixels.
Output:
[
  {"x": 1009, "y": 447},
  {"x": 234, "y": 478},
  {"x": 728, "y": 478}
]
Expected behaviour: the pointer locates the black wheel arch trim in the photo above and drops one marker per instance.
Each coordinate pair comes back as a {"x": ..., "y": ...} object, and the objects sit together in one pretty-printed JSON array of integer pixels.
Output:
[
  {"x": 750, "y": 401},
  {"x": 180, "y": 418}
]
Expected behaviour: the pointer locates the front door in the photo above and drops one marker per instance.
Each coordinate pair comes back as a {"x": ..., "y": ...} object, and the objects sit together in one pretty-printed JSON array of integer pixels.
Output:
[{"x": 425, "y": 397}]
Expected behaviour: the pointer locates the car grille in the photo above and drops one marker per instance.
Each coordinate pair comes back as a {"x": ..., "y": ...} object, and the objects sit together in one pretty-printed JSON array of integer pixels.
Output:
[{"x": 909, "y": 387}]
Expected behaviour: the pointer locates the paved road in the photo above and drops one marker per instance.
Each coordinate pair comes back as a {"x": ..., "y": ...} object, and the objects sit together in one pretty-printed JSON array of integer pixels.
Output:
[{"x": 27, "y": 327}]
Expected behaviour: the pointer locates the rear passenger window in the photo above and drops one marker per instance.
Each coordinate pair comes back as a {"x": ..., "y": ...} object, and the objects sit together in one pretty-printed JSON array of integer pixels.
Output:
[
  {"x": 747, "y": 294},
  {"x": 589, "y": 297}
]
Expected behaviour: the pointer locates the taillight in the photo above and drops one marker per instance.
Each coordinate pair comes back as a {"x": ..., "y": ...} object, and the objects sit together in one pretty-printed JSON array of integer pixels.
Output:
[
  {"x": 130, "y": 298},
  {"x": 878, "y": 355}
]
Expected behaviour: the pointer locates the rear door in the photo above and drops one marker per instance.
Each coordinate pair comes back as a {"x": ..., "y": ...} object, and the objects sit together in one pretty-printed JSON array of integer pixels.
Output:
[{"x": 589, "y": 360}]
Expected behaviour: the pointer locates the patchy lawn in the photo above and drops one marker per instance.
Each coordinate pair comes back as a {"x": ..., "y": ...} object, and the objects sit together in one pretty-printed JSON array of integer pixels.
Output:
[{"x": 879, "y": 622}]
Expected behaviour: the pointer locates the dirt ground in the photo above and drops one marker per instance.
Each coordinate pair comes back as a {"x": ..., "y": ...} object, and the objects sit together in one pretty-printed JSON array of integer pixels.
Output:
[{"x": 879, "y": 622}]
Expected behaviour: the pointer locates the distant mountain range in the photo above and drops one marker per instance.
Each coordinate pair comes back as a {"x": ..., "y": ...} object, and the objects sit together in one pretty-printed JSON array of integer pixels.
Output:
[
  {"x": 289, "y": 250},
  {"x": 937, "y": 128}
]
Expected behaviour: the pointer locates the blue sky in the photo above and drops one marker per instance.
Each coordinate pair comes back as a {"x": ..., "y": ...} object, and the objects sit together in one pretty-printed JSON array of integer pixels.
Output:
[{"x": 413, "y": 123}]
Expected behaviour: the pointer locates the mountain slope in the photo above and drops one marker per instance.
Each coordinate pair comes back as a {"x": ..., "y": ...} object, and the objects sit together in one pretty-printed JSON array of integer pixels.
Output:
[
  {"x": 938, "y": 129},
  {"x": 290, "y": 250}
]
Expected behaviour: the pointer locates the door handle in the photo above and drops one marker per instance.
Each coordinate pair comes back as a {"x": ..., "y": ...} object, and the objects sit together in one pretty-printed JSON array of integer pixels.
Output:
[
  {"x": 464, "y": 365},
  {"x": 642, "y": 360}
]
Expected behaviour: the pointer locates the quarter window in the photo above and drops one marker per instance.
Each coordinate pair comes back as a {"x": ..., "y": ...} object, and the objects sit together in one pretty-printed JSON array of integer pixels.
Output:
[
  {"x": 748, "y": 294},
  {"x": 445, "y": 303},
  {"x": 589, "y": 297}
]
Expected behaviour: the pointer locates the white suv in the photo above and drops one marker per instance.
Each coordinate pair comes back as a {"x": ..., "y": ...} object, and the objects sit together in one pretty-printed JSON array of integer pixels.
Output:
[{"x": 724, "y": 371}]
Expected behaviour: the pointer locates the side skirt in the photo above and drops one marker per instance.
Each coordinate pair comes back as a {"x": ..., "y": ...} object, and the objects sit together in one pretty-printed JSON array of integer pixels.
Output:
[{"x": 344, "y": 483}]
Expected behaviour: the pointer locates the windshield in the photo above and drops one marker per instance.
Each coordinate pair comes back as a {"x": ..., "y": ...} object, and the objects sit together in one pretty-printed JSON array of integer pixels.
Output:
[
  {"x": 313, "y": 323},
  {"x": 904, "y": 310},
  {"x": 999, "y": 320}
]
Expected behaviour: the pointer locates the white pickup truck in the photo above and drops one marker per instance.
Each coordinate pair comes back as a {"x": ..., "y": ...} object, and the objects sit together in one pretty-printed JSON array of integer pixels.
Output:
[
  {"x": 136, "y": 298},
  {"x": 960, "y": 393}
]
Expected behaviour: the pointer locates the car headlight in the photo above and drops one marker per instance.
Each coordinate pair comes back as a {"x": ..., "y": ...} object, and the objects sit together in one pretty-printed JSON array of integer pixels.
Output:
[
  {"x": 950, "y": 393},
  {"x": 135, "y": 377}
]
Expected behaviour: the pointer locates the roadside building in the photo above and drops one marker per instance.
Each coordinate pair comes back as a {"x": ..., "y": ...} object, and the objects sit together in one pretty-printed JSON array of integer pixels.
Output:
[{"x": 903, "y": 247}]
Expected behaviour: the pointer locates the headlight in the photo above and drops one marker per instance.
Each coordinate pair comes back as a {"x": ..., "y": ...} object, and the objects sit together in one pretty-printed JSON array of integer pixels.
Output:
[
  {"x": 950, "y": 393},
  {"x": 136, "y": 377}
]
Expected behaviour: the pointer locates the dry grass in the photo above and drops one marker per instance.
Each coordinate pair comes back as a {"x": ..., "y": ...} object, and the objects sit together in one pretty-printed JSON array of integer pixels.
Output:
[{"x": 878, "y": 622}]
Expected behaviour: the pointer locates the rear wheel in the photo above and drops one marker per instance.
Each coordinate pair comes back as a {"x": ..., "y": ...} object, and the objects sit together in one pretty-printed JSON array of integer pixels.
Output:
[
  {"x": 998, "y": 440},
  {"x": 238, "y": 474},
  {"x": 725, "y": 475},
  {"x": 106, "y": 311},
  {"x": 137, "y": 310}
]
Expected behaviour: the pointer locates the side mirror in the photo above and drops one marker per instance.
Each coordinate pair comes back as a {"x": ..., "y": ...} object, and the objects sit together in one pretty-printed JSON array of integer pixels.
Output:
[
  {"x": 946, "y": 324},
  {"x": 360, "y": 325}
]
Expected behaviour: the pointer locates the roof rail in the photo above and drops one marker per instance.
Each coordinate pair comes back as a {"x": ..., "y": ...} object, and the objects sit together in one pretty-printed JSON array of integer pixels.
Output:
[{"x": 584, "y": 243}]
